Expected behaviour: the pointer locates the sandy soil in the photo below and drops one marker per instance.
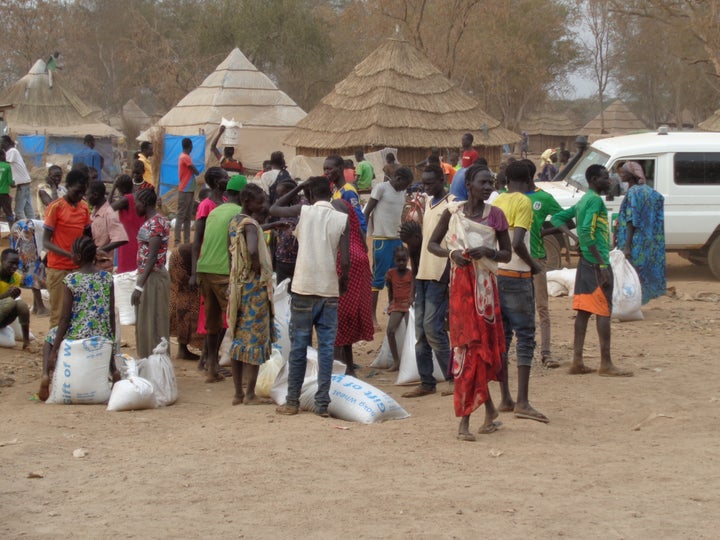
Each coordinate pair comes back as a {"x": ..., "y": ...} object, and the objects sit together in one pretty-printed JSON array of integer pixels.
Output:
[{"x": 631, "y": 458}]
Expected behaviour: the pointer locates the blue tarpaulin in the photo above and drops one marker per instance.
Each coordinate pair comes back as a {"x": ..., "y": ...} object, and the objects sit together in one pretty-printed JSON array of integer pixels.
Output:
[
  {"x": 171, "y": 153},
  {"x": 32, "y": 148}
]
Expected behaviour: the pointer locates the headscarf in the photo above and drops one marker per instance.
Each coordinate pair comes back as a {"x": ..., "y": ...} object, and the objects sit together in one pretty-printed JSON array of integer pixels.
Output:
[{"x": 634, "y": 168}]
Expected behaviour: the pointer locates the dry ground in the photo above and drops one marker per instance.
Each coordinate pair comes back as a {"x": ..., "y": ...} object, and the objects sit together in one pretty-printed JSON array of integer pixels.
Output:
[{"x": 631, "y": 458}]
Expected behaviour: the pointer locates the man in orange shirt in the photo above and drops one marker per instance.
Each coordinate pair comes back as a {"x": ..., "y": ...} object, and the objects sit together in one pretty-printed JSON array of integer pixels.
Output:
[
  {"x": 66, "y": 219},
  {"x": 186, "y": 192}
]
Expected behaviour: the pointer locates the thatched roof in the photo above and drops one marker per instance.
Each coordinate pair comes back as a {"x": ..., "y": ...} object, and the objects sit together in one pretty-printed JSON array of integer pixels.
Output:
[
  {"x": 619, "y": 120},
  {"x": 55, "y": 111},
  {"x": 397, "y": 97},
  {"x": 549, "y": 123},
  {"x": 131, "y": 112},
  {"x": 712, "y": 123},
  {"x": 237, "y": 90}
]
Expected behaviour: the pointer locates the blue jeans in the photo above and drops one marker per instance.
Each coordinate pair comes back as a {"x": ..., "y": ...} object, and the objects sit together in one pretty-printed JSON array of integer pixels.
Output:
[
  {"x": 23, "y": 204},
  {"x": 431, "y": 306},
  {"x": 517, "y": 302},
  {"x": 305, "y": 312}
]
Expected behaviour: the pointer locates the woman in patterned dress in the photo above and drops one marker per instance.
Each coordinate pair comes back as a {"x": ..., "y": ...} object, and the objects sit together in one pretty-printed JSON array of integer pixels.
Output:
[
  {"x": 250, "y": 311},
  {"x": 88, "y": 309}
]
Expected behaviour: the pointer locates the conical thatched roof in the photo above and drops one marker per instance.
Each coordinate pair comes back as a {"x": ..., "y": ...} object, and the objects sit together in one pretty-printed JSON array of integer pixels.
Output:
[
  {"x": 549, "y": 123},
  {"x": 619, "y": 120},
  {"x": 712, "y": 123},
  {"x": 55, "y": 111},
  {"x": 396, "y": 97},
  {"x": 237, "y": 90},
  {"x": 132, "y": 113}
]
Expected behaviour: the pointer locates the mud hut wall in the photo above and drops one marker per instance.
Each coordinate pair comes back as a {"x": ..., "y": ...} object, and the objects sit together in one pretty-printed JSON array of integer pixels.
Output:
[{"x": 540, "y": 143}]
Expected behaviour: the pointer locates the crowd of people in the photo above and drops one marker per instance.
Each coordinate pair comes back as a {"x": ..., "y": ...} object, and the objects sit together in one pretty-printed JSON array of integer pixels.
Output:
[{"x": 467, "y": 255}]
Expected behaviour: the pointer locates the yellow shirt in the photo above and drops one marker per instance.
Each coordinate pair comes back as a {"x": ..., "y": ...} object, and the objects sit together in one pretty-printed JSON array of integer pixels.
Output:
[
  {"x": 517, "y": 208},
  {"x": 15, "y": 281},
  {"x": 148, "y": 176}
]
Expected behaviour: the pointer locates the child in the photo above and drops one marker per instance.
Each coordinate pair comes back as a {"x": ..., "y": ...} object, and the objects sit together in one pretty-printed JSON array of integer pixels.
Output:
[
  {"x": 399, "y": 281},
  {"x": 124, "y": 205},
  {"x": 88, "y": 309},
  {"x": 286, "y": 245},
  {"x": 250, "y": 313}
]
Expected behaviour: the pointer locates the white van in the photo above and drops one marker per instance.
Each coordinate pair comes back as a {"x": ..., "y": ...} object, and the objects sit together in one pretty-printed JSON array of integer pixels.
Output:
[{"x": 684, "y": 167}]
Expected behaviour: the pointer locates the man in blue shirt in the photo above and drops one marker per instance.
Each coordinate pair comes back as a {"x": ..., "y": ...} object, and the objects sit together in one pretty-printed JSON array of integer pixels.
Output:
[{"x": 89, "y": 156}]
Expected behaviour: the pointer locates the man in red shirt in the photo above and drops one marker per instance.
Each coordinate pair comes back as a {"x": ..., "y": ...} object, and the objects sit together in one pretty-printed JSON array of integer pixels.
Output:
[
  {"x": 186, "y": 192},
  {"x": 469, "y": 154},
  {"x": 66, "y": 220}
]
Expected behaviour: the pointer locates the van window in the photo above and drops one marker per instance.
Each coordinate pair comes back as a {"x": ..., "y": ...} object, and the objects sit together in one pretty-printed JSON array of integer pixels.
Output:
[
  {"x": 648, "y": 167},
  {"x": 576, "y": 177},
  {"x": 697, "y": 168}
]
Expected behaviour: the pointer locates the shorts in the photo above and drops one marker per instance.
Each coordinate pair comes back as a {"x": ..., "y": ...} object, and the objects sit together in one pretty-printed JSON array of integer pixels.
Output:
[
  {"x": 7, "y": 306},
  {"x": 214, "y": 288},
  {"x": 383, "y": 260},
  {"x": 590, "y": 296}
]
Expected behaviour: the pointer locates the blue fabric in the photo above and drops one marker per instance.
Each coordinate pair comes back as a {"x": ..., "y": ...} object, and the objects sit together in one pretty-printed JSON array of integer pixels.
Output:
[
  {"x": 517, "y": 303},
  {"x": 32, "y": 148},
  {"x": 171, "y": 153},
  {"x": 644, "y": 208},
  {"x": 431, "y": 306},
  {"x": 306, "y": 312},
  {"x": 458, "y": 187},
  {"x": 383, "y": 260}
]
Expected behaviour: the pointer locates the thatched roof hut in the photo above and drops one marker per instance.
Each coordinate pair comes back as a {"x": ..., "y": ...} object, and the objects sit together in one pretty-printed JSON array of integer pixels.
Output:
[
  {"x": 397, "y": 98},
  {"x": 619, "y": 120},
  {"x": 237, "y": 90},
  {"x": 134, "y": 115},
  {"x": 38, "y": 109},
  {"x": 712, "y": 123},
  {"x": 548, "y": 129}
]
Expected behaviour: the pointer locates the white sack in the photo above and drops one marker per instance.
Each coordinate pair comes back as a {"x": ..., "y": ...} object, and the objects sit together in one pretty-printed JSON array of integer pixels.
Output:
[
  {"x": 384, "y": 358},
  {"x": 124, "y": 287},
  {"x": 17, "y": 330},
  {"x": 82, "y": 371},
  {"x": 7, "y": 337},
  {"x": 278, "y": 392},
  {"x": 627, "y": 293},
  {"x": 281, "y": 306},
  {"x": 268, "y": 373},
  {"x": 158, "y": 370},
  {"x": 561, "y": 282},
  {"x": 224, "y": 352},
  {"x": 132, "y": 393},
  {"x": 408, "y": 373},
  {"x": 355, "y": 400}
]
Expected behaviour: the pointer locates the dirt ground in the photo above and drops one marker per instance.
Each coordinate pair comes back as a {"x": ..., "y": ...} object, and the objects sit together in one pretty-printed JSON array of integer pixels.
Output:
[{"x": 630, "y": 458}]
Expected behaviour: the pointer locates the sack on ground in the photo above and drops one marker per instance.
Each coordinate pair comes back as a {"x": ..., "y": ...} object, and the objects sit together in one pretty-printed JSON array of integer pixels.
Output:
[
  {"x": 355, "y": 400},
  {"x": 124, "y": 287},
  {"x": 408, "y": 373},
  {"x": 279, "y": 390},
  {"x": 627, "y": 292},
  {"x": 224, "y": 352},
  {"x": 158, "y": 369},
  {"x": 7, "y": 337},
  {"x": 82, "y": 371},
  {"x": 17, "y": 329},
  {"x": 133, "y": 393},
  {"x": 281, "y": 306},
  {"x": 384, "y": 358},
  {"x": 268, "y": 373},
  {"x": 561, "y": 282}
]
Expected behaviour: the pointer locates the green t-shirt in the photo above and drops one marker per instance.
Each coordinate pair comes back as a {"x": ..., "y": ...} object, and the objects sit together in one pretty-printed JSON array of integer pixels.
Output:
[
  {"x": 591, "y": 216},
  {"x": 214, "y": 255},
  {"x": 364, "y": 172},
  {"x": 543, "y": 205},
  {"x": 5, "y": 178}
]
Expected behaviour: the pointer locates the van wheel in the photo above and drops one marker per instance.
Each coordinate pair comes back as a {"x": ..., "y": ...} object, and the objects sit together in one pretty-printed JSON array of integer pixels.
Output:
[
  {"x": 552, "y": 252},
  {"x": 713, "y": 257}
]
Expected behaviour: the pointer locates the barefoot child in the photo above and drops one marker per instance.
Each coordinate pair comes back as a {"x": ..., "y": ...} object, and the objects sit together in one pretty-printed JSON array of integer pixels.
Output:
[
  {"x": 400, "y": 285},
  {"x": 250, "y": 312},
  {"x": 88, "y": 309}
]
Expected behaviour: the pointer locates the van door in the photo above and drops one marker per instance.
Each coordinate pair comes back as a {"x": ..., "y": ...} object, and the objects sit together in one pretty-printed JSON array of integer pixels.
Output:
[{"x": 692, "y": 198}]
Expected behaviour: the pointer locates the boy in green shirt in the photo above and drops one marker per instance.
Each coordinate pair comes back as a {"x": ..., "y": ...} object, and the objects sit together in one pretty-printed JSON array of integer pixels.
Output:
[
  {"x": 594, "y": 278},
  {"x": 6, "y": 182}
]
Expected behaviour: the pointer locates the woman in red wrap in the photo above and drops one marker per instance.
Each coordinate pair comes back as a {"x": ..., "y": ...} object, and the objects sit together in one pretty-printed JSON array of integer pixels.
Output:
[{"x": 476, "y": 238}]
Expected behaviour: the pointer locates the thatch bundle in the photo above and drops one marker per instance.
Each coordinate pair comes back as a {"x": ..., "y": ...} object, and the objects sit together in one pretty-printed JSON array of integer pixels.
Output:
[{"x": 396, "y": 97}]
